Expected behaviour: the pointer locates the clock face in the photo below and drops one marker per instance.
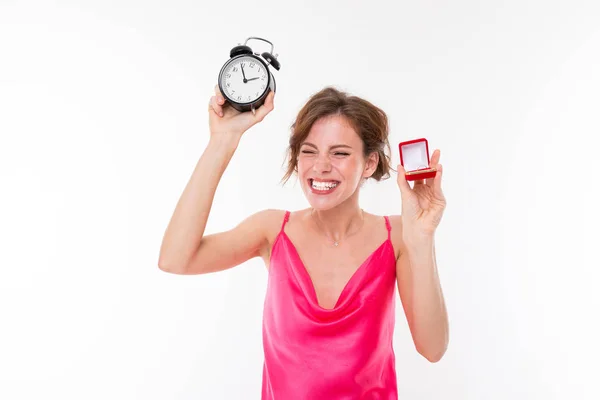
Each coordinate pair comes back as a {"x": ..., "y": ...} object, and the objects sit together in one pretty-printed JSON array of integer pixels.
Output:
[{"x": 244, "y": 79}]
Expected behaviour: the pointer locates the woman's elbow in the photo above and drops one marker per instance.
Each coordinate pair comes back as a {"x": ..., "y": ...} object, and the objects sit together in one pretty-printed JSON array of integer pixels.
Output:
[
  {"x": 433, "y": 357},
  {"x": 171, "y": 269},
  {"x": 433, "y": 354}
]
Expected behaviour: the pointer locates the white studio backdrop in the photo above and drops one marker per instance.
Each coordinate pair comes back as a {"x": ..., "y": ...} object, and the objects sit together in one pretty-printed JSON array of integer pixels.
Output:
[{"x": 103, "y": 116}]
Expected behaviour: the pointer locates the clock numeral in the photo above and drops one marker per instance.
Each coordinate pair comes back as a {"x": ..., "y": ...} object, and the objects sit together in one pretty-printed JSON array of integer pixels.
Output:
[
  {"x": 243, "y": 65},
  {"x": 262, "y": 87},
  {"x": 256, "y": 94},
  {"x": 258, "y": 69},
  {"x": 239, "y": 97},
  {"x": 233, "y": 91},
  {"x": 252, "y": 65},
  {"x": 263, "y": 78},
  {"x": 228, "y": 84},
  {"x": 249, "y": 97},
  {"x": 229, "y": 75},
  {"x": 234, "y": 69}
]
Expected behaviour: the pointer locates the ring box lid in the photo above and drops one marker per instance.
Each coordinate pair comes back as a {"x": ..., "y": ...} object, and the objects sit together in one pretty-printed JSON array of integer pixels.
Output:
[{"x": 414, "y": 154}]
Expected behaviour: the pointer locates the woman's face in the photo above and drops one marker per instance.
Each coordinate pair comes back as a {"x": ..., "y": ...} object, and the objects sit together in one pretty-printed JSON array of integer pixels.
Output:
[{"x": 331, "y": 163}]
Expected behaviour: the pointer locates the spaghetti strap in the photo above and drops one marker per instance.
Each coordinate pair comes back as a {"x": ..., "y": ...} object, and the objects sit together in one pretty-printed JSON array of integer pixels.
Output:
[
  {"x": 388, "y": 226},
  {"x": 285, "y": 219}
]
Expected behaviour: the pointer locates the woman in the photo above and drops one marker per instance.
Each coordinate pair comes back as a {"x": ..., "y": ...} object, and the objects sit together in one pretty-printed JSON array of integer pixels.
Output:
[{"x": 329, "y": 308}]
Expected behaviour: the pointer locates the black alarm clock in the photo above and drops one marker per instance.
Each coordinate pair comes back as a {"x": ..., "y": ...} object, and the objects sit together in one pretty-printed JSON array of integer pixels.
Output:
[{"x": 245, "y": 80}]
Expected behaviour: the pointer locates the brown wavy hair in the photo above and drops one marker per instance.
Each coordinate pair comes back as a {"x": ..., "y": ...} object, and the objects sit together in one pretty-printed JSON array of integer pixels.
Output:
[{"x": 369, "y": 121}]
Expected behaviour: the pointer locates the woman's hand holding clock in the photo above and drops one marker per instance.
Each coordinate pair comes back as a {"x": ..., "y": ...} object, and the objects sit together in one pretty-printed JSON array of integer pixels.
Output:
[
  {"x": 236, "y": 95},
  {"x": 224, "y": 120}
]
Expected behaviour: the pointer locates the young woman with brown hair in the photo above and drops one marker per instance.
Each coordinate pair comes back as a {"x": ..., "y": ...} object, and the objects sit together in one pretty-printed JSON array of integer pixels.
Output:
[{"x": 329, "y": 309}]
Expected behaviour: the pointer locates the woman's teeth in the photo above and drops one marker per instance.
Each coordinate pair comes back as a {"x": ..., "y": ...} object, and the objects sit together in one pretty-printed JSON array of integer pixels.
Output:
[{"x": 324, "y": 185}]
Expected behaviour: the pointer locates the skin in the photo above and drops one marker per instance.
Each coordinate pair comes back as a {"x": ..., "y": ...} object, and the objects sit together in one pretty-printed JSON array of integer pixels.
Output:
[{"x": 338, "y": 212}]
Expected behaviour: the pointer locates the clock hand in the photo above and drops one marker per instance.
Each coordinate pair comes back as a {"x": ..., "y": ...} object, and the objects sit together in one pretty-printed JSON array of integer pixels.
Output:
[
  {"x": 243, "y": 74},
  {"x": 251, "y": 79}
]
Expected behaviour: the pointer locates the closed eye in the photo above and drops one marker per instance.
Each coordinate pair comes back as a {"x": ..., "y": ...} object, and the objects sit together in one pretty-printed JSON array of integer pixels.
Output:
[{"x": 337, "y": 153}]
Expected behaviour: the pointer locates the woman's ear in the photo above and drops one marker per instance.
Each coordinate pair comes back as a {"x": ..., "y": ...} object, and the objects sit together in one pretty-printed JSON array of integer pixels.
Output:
[{"x": 371, "y": 164}]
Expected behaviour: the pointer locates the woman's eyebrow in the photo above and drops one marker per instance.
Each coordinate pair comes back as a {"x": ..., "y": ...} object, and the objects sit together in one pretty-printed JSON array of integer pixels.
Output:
[{"x": 335, "y": 146}]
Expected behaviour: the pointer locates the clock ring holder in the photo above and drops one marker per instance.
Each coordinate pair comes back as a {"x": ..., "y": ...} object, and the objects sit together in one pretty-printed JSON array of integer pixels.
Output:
[{"x": 265, "y": 59}]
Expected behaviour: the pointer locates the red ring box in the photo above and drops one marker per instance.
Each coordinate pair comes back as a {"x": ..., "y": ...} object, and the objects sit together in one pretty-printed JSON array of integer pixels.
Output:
[{"x": 414, "y": 157}]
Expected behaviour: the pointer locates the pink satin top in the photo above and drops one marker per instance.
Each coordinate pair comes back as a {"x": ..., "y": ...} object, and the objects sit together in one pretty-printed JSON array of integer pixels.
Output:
[{"x": 314, "y": 353}]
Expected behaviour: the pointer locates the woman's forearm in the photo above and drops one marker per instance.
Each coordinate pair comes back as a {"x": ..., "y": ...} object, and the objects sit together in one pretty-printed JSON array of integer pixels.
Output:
[
  {"x": 426, "y": 309},
  {"x": 186, "y": 228}
]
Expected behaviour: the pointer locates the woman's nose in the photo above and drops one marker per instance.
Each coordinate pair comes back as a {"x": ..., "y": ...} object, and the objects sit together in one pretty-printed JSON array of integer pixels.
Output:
[{"x": 322, "y": 163}]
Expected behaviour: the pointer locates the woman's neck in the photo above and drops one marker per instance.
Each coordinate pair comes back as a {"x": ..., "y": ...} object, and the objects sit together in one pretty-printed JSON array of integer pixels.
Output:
[{"x": 339, "y": 222}]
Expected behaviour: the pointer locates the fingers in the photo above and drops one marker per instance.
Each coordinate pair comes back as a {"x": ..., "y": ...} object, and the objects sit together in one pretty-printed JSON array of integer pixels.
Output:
[
  {"x": 266, "y": 108},
  {"x": 435, "y": 160},
  {"x": 218, "y": 91},
  {"x": 216, "y": 104},
  {"x": 402, "y": 182},
  {"x": 217, "y": 101},
  {"x": 429, "y": 181},
  {"x": 435, "y": 157},
  {"x": 437, "y": 181}
]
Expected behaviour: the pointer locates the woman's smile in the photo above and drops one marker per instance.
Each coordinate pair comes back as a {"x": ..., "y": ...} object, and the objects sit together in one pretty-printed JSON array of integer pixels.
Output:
[{"x": 322, "y": 187}]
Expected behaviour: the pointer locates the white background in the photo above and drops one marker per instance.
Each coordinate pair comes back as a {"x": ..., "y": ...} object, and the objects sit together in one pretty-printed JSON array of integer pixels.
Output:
[{"x": 103, "y": 116}]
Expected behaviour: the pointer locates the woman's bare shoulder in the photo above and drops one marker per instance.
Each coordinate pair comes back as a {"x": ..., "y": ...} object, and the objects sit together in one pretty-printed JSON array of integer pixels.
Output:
[
  {"x": 271, "y": 221},
  {"x": 269, "y": 218}
]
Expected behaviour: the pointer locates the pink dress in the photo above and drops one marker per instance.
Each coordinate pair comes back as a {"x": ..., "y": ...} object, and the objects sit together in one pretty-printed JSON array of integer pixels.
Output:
[{"x": 313, "y": 353}]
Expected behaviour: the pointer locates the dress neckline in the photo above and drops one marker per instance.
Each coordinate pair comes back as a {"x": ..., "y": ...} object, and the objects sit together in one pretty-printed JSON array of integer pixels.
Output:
[{"x": 357, "y": 273}]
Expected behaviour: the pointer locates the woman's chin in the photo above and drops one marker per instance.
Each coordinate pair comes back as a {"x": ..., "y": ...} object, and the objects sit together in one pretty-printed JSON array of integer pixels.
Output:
[{"x": 322, "y": 203}]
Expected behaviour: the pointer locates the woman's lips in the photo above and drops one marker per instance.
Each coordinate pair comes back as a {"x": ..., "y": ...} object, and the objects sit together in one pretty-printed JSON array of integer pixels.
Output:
[{"x": 323, "y": 191}]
